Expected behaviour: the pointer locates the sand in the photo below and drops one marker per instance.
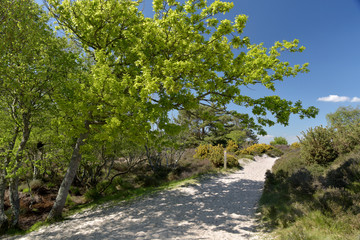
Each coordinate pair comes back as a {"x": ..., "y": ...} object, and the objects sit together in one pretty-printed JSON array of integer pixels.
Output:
[{"x": 218, "y": 207}]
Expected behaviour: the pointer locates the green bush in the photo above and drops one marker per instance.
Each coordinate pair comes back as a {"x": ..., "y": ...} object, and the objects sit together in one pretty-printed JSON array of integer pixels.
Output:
[
  {"x": 346, "y": 121},
  {"x": 290, "y": 162},
  {"x": 344, "y": 175},
  {"x": 302, "y": 182},
  {"x": 75, "y": 191},
  {"x": 317, "y": 145},
  {"x": 346, "y": 138},
  {"x": 92, "y": 194},
  {"x": 232, "y": 161},
  {"x": 69, "y": 202},
  {"x": 335, "y": 201},
  {"x": 279, "y": 141},
  {"x": 274, "y": 152}
]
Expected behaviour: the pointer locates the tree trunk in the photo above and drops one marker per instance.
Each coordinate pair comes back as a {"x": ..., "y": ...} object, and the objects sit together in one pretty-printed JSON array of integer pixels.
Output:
[
  {"x": 56, "y": 211},
  {"x": 3, "y": 218},
  {"x": 14, "y": 181},
  {"x": 14, "y": 200},
  {"x": 4, "y": 222}
]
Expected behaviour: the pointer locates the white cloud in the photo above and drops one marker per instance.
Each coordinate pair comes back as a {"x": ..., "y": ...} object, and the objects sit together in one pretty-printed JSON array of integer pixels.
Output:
[
  {"x": 355, "y": 99},
  {"x": 335, "y": 98}
]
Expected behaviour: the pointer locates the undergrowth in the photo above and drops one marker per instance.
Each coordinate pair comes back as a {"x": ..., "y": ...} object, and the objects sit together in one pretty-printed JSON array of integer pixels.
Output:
[{"x": 307, "y": 200}]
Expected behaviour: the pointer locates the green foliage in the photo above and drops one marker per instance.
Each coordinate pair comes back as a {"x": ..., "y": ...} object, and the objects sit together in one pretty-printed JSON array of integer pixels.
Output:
[
  {"x": 279, "y": 141},
  {"x": 317, "y": 145},
  {"x": 203, "y": 74},
  {"x": 69, "y": 202},
  {"x": 344, "y": 175},
  {"x": 344, "y": 116},
  {"x": 75, "y": 190},
  {"x": 274, "y": 152},
  {"x": 346, "y": 123},
  {"x": 289, "y": 162},
  {"x": 115, "y": 76},
  {"x": 92, "y": 194},
  {"x": 301, "y": 196},
  {"x": 232, "y": 161},
  {"x": 214, "y": 125}
]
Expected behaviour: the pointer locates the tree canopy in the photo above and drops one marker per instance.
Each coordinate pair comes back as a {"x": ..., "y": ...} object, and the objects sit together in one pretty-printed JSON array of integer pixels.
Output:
[
  {"x": 180, "y": 58},
  {"x": 110, "y": 79}
]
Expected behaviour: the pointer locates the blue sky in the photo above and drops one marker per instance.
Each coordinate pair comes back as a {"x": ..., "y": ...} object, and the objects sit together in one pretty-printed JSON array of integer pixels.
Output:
[{"x": 330, "y": 31}]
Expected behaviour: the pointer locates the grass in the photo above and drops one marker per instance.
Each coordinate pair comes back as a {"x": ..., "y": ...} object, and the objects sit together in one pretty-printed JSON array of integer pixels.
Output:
[{"x": 317, "y": 226}]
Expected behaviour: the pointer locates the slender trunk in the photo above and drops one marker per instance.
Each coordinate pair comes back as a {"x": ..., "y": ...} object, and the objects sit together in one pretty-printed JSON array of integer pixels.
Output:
[
  {"x": 14, "y": 182},
  {"x": 4, "y": 222},
  {"x": 148, "y": 155},
  {"x": 38, "y": 158},
  {"x": 14, "y": 200},
  {"x": 3, "y": 218},
  {"x": 110, "y": 167},
  {"x": 56, "y": 211}
]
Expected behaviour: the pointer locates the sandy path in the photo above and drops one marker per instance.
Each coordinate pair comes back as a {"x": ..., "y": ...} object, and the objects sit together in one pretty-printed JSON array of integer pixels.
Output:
[{"x": 221, "y": 207}]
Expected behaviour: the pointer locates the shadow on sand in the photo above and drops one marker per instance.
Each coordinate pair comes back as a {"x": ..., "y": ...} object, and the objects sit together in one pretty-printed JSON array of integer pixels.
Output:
[{"x": 181, "y": 213}]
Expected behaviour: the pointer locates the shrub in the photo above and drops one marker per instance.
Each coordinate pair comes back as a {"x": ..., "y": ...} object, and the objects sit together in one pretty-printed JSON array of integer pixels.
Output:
[
  {"x": 275, "y": 152},
  {"x": 202, "y": 151},
  {"x": 295, "y": 145},
  {"x": 75, "y": 191},
  {"x": 256, "y": 149},
  {"x": 69, "y": 202},
  {"x": 231, "y": 146},
  {"x": 279, "y": 141},
  {"x": 344, "y": 175},
  {"x": 336, "y": 200},
  {"x": 216, "y": 156},
  {"x": 302, "y": 182},
  {"x": 346, "y": 138},
  {"x": 35, "y": 184},
  {"x": 346, "y": 121},
  {"x": 92, "y": 194},
  {"x": 232, "y": 161},
  {"x": 290, "y": 162},
  {"x": 317, "y": 145}
]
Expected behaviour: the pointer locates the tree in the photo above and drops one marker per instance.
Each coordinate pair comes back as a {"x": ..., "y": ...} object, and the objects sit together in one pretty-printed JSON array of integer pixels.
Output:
[
  {"x": 32, "y": 60},
  {"x": 344, "y": 116},
  {"x": 279, "y": 141},
  {"x": 346, "y": 123},
  {"x": 214, "y": 125},
  {"x": 182, "y": 57}
]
